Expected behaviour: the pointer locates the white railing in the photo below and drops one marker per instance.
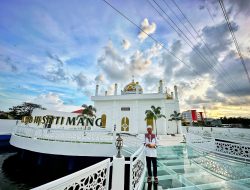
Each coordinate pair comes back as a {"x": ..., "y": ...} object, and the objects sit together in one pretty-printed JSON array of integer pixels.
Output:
[
  {"x": 137, "y": 169},
  {"x": 65, "y": 135},
  {"x": 93, "y": 177},
  {"x": 239, "y": 150},
  {"x": 227, "y": 134}
]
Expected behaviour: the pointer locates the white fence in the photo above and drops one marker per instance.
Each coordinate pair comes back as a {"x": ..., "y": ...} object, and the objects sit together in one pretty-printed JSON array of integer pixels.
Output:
[
  {"x": 93, "y": 177},
  {"x": 235, "y": 134},
  {"x": 137, "y": 169},
  {"x": 64, "y": 135},
  {"x": 238, "y": 150}
]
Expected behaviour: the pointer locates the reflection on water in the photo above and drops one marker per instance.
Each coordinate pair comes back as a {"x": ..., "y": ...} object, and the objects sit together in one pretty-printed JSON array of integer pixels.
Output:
[{"x": 21, "y": 170}]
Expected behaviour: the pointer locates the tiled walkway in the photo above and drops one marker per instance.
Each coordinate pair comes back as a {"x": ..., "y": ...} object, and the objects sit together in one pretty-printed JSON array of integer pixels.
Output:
[{"x": 178, "y": 168}]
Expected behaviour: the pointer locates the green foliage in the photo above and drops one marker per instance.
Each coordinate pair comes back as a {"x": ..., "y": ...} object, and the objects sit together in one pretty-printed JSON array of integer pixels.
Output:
[
  {"x": 175, "y": 117},
  {"x": 236, "y": 120},
  {"x": 17, "y": 112},
  {"x": 88, "y": 112},
  {"x": 154, "y": 113}
]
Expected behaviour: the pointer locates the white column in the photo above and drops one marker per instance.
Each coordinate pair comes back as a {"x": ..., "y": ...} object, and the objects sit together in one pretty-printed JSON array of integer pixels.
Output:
[
  {"x": 96, "y": 90},
  {"x": 175, "y": 93},
  {"x": 160, "y": 87},
  {"x": 118, "y": 173},
  {"x": 115, "y": 93}
]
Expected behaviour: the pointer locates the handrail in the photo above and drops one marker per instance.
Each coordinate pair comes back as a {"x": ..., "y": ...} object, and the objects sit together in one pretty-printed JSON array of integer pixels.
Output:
[
  {"x": 236, "y": 150},
  {"x": 95, "y": 175},
  {"x": 137, "y": 169},
  {"x": 63, "y": 135}
]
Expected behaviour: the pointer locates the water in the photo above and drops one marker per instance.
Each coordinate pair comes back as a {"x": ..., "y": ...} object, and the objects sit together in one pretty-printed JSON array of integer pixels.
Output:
[
  {"x": 181, "y": 167},
  {"x": 22, "y": 170}
]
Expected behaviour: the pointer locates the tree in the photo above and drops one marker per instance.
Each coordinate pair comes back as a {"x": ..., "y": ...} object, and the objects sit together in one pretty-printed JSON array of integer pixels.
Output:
[
  {"x": 175, "y": 117},
  {"x": 87, "y": 113},
  {"x": 24, "y": 110},
  {"x": 154, "y": 114}
]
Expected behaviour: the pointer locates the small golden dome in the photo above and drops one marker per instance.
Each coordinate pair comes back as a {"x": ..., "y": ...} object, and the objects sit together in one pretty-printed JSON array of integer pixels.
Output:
[{"x": 131, "y": 88}]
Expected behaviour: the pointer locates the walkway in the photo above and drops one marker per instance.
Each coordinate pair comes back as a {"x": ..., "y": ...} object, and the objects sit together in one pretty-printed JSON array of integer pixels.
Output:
[{"x": 180, "y": 167}]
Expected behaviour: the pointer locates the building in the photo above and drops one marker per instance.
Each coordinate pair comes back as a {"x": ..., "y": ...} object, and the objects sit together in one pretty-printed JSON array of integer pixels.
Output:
[
  {"x": 192, "y": 116},
  {"x": 126, "y": 111}
]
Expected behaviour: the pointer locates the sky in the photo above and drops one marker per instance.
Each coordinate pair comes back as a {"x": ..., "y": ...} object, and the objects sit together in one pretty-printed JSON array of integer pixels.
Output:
[{"x": 53, "y": 53}]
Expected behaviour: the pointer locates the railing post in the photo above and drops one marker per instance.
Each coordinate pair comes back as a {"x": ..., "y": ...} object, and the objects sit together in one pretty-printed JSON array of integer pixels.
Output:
[
  {"x": 114, "y": 137},
  {"x": 118, "y": 173}
]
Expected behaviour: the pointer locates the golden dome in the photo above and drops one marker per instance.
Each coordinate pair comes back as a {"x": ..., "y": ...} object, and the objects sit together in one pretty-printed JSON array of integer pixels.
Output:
[{"x": 131, "y": 88}]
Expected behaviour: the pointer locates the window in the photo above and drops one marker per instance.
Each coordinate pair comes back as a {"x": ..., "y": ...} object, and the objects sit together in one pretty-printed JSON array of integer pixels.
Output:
[
  {"x": 103, "y": 119},
  {"x": 125, "y": 124}
]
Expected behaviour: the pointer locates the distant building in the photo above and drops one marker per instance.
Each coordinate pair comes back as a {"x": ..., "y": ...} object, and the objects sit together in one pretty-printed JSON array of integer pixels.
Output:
[{"x": 192, "y": 116}]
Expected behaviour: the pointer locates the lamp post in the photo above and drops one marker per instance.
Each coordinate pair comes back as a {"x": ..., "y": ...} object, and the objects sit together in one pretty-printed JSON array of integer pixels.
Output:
[
  {"x": 118, "y": 166},
  {"x": 119, "y": 145}
]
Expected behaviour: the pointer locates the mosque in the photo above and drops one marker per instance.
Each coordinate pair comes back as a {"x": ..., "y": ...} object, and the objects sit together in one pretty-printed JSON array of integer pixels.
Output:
[{"x": 126, "y": 112}]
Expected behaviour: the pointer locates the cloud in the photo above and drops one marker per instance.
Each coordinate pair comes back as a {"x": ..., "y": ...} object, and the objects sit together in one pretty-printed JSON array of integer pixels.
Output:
[
  {"x": 113, "y": 65},
  {"x": 81, "y": 80},
  {"x": 147, "y": 28},
  {"x": 55, "y": 71},
  {"x": 241, "y": 6},
  {"x": 7, "y": 64},
  {"x": 138, "y": 63},
  {"x": 100, "y": 78},
  {"x": 234, "y": 82},
  {"x": 218, "y": 40},
  {"x": 168, "y": 62},
  {"x": 52, "y": 101},
  {"x": 126, "y": 44}
]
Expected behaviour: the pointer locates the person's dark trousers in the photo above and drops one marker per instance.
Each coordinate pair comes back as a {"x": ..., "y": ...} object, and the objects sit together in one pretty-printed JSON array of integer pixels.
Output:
[{"x": 154, "y": 162}]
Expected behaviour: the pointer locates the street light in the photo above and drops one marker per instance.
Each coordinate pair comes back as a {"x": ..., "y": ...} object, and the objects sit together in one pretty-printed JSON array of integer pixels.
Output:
[{"x": 119, "y": 145}]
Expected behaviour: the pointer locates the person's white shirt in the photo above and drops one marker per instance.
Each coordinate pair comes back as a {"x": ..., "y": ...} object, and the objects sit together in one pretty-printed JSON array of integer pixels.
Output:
[{"x": 150, "y": 139}]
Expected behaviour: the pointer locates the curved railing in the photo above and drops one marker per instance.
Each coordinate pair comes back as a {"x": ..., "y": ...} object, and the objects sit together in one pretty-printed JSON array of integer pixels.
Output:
[
  {"x": 225, "y": 134},
  {"x": 137, "y": 169},
  {"x": 238, "y": 150},
  {"x": 93, "y": 177},
  {"x": 64, "y": 135}
]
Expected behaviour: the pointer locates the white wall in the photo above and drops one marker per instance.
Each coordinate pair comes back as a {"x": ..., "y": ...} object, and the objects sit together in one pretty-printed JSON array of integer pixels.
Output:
[
  {"x": 137, "y": 124},
  {"x": 7, "y": 125}
]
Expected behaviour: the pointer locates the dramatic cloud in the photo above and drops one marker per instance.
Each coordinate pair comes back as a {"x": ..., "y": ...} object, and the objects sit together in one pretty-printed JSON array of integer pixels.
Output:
[
  {"x": 81, "y": 80},
  {"x": 138, "y": 64},
  {"x": 113, "y": 65},
  {"x": 148, "y": 28},
  {"x": 234, "y": 82},
  {"x": 55, "y": 69},
  {"x": 126, "y": 44},
  {"x": 168, "y": 62}
]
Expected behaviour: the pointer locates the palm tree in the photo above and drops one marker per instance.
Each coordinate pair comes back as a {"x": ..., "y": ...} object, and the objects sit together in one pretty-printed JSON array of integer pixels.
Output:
[
  {"x": 154, "y": 114},
  {"x": 175, "y": 117},
  {"x": 87, "y": 113}
]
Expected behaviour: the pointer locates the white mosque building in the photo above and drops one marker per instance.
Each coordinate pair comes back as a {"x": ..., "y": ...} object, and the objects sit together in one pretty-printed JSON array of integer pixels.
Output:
[{"x": 126, "y": 112}]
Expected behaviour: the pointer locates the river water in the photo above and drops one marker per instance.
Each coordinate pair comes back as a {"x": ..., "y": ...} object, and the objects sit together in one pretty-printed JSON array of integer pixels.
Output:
[{"x": 21, "y": 170}]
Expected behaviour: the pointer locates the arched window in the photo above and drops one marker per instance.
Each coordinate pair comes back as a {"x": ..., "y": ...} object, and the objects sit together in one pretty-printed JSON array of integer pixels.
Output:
[
  {"x": 125, "y": 124},
  {"x": 104, "y": 120},
  {"x": 150, "y": 122}
]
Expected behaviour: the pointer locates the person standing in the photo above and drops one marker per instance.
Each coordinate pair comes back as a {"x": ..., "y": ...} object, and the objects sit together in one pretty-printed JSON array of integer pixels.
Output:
[{"x": 151, "y": 142}]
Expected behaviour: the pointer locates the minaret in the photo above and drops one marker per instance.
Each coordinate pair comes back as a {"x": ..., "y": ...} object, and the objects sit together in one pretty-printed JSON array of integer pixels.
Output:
[
  {"x": 96, "y": 90},
  {"x": 137, "y": 88},
  {"x": 160, "y": 87},
  {"x": 172, "y": 95},
  {"x": 175, "y": 92},
  {"x": 115, "y": 93}
]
